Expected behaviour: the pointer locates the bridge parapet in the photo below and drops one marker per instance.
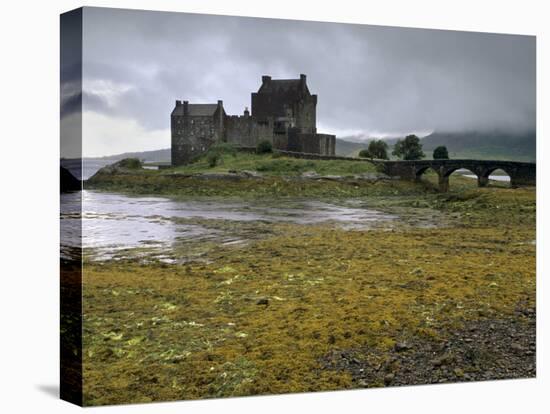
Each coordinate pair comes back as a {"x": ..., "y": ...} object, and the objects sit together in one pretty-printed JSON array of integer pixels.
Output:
[{"x": 521, "y": 173}]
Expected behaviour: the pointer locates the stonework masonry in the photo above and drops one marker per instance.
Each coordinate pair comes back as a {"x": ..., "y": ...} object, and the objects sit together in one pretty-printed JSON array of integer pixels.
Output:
[
  {"x": 283, "y": 113},
  {"x": 520, "y": 173}
]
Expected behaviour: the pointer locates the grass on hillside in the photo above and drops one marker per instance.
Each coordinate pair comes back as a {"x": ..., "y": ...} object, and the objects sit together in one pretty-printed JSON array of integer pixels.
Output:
[{"x": 273, "y": 164}]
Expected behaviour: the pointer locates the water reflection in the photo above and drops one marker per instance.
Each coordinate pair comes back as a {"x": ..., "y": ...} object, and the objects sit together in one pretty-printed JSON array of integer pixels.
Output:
[
  {"x": 501, "y": 178},
  {"x": 114, "y": 223}
]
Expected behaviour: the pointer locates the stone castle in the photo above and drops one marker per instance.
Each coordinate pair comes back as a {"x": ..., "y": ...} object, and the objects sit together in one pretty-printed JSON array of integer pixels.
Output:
[{"x": 283, "y": 113}]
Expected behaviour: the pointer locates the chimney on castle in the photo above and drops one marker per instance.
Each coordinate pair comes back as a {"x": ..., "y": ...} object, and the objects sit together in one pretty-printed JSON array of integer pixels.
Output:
[
  {"x": 303, "y": 77},
  {"x": 266, "y": 79},
  {"x": 246, "y": 112},
  {"x": 220, "y": 116},
  {"x": 178, "y": 102},
  {"x": 185, "y": 108}
]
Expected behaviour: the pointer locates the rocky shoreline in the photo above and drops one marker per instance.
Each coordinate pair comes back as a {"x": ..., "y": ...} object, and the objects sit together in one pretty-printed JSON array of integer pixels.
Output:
[
  {"x": 481, "y": 350},
  {"x": 235, "y": 175}
]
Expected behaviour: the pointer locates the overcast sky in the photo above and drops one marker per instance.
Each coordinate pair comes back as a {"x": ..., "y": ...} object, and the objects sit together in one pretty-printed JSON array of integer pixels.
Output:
[{"x": 371, "y": 81}]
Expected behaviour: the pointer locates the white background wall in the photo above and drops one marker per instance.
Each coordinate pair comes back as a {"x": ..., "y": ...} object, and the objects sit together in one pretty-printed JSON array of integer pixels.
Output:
[{"x": 29, "y": 210}]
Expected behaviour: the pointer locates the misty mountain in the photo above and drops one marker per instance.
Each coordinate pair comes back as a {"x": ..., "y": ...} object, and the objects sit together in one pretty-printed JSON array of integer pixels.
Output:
[
  {"x": 484, "y": 145},
  {"x": 346, "y": 148},
  {"x": 466, "y": 145}
]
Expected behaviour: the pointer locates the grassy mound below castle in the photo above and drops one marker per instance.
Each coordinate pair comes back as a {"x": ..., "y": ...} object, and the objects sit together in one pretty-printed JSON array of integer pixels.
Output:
[
  {"x": 273, "y": 164},
  {"x": 227, "y": 173}
]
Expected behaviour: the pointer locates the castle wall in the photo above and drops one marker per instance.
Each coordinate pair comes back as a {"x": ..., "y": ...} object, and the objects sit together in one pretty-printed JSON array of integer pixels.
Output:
[
  {"x": 280, "y": 141},
  {"x": 265, "y": 106},
  {"x": 324, "y": 144},
  {"x": 305, "y": 114},
  {"x": 293, "y": 143},
  {"x": 310, "y": 143},
  {"x": 244, "y": 131},
  {"x": 300, "y": 142},
  {"x": 303, "y": 111},
  {"x": 327, "y": 144},
  {"x": 239, "y": 131},
  {"x": 264, "y": 132},
  {"x": 192, "y": 136}
]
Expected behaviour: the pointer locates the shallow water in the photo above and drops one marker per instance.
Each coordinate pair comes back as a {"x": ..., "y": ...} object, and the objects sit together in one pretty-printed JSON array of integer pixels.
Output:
[
  {"x": 119, "y": 226},
  {"x": 502, "y": 178}
]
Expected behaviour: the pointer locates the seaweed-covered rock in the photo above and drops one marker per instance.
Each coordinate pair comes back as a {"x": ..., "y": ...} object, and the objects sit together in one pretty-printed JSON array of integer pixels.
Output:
[
  {"x": 129, "y": 163},
  {"x": 125, "y": 165}
]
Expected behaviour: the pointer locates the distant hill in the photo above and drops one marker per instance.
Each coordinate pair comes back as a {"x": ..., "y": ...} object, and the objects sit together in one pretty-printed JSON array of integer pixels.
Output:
[
  {"x": 348, "y": 148},
  {"x": 475, "y": 145},
  {"x": 484, "y": 145},
  {"x": 162, "y": 155}
]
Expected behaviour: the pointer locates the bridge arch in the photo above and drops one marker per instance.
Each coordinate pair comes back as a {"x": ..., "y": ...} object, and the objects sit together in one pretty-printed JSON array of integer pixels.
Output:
[
  {"x": 419, "y": 171},
  {"x": 449, "y": 170},
  {"x": 483, "y": 178}
]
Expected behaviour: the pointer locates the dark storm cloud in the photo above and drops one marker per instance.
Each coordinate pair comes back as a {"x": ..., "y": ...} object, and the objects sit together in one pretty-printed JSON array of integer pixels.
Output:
[
  {"x": 370, "y": 80},
  {"x": 71, "y": 62},
  {"x": 71, "y": 84}
]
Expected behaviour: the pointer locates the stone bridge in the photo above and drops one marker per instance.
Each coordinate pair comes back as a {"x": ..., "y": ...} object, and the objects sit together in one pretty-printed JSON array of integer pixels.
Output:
[{"x": 521, "y": 173}]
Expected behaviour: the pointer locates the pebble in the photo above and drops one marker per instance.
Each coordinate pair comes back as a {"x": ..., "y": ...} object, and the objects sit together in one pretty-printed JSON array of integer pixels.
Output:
[
  {"x": 389, "y": 378},
  {"x": 443, "y": 360},
  {"x": 517, "y": 347},
  {"x": 402, "y": 346}
]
